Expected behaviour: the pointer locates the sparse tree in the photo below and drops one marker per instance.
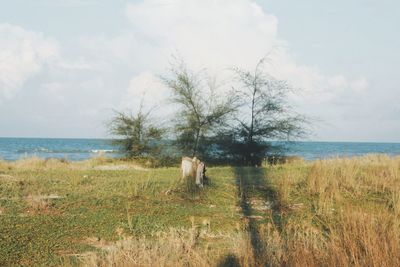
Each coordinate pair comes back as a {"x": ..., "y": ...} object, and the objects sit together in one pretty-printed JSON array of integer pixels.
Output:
[
  {"x": 201, "y": 109},
  {"x": 137, "y": 135},
  {"x": 265, "y": 115}
]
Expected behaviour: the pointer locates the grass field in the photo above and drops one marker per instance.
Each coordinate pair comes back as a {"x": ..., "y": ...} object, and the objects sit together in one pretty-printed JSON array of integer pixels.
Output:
[{"x": 102, "y": 212}]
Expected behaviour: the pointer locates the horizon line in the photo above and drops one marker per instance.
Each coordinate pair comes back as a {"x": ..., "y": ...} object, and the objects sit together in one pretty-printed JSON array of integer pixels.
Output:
[{"x": 110, "y": 138}]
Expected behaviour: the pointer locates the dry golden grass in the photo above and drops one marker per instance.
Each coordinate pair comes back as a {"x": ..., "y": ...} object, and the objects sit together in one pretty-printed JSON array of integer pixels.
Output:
[
  {"x": 95, "y": 163},
  {"x": 348, "y": 216},
  {"x": 176, "y": 247}
]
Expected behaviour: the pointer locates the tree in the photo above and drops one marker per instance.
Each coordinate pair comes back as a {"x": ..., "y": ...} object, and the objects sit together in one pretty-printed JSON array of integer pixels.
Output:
[
  {"x": 137, "y": 134},
  {"x": 201, "y": 109},
  {"x": 264, "y": 115}
]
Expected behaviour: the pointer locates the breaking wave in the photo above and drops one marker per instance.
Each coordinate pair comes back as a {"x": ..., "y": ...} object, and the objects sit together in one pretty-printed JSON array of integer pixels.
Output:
[{"x": 64, "y": 151}]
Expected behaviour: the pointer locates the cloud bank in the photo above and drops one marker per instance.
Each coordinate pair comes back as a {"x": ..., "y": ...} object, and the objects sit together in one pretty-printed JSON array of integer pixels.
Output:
[
  {"x": 101, "y": 72},
  {"x": 23, "y": 54},
  {"x": 223, "y": 34}
]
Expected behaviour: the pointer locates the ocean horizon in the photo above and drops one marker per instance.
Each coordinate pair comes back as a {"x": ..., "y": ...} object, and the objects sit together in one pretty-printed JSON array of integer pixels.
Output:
[{"x": 75, "y": 149}]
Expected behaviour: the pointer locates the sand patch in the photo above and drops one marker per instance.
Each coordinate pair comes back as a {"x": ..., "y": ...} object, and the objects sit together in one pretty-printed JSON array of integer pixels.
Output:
[
  {"x": 260, "y": 205},
  {"x": 43, "y": 197},
  {"x": 41, "y": 204},
  {"x": 119, "y": 167}
]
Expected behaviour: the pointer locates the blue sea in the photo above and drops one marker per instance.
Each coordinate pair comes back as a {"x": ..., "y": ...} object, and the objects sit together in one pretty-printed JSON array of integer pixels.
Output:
[
  {"x": 323, "y": 150},
  {"x": 80, "y": 149},
  {"x": 70, "y": 149}
]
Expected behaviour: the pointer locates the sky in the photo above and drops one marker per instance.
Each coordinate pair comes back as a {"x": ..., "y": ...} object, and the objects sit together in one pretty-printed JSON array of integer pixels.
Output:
[{"x": 65, "y": 65}]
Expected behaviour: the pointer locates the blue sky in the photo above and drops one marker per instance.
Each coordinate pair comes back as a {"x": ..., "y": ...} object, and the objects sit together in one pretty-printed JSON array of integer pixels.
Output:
[{"x": 65, "y": 64}]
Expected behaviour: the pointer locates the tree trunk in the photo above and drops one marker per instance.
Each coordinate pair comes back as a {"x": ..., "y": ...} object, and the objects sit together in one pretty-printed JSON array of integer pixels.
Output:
[
  {"x": 250, "y": 137},
  {"x": 196, "y": 143},
  {"x": 249, "y": 156}
]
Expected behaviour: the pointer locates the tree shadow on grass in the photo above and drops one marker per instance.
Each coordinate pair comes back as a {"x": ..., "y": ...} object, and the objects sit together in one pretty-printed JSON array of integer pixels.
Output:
[
  {"x": 229, "y": 261},
  {"x": 252, "y": 184}
]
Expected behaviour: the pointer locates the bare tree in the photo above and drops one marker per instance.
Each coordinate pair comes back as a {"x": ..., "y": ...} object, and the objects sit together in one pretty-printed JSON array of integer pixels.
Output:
[{"x": 201, "y": 109}]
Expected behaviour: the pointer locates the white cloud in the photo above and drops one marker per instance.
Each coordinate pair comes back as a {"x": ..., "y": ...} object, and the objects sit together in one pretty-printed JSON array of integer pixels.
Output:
[
  {"x": 22, "y": 54},
  {"x": 102, "y": 71},
  {"x": 207, "y": 33},
  {"x": 220, "y": 35},
  {"x": 144, "y": 86},
  {"x": 69, "y": 3},
  {"x": 79, "y": 64},
  {"x": 359, "y": 84}
]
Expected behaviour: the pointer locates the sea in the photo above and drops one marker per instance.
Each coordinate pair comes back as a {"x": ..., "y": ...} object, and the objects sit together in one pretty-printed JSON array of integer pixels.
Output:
[{"x": 81, "y": 149}]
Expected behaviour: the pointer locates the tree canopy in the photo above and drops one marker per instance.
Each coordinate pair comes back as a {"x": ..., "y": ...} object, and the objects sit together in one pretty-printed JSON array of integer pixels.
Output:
[
  {"x": 236, "y": 124},
  {"x": 200, "y": 107},
  {"x": 264, "y": 115},
  {"x": 137, "y": 135}
]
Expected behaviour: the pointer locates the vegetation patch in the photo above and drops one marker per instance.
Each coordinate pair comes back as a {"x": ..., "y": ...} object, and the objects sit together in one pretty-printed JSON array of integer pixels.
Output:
[{"x": 333, "y": 212}]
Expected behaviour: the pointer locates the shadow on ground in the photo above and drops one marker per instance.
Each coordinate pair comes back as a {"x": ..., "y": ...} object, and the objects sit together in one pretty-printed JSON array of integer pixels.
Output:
[
  {"x": 229, "y": 261},
  {"x": 253, "y": 189}
]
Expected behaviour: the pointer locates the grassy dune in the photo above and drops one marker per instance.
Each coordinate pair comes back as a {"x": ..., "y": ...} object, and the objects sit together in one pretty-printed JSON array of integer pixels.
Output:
[{"x": 105, "y": 212}]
